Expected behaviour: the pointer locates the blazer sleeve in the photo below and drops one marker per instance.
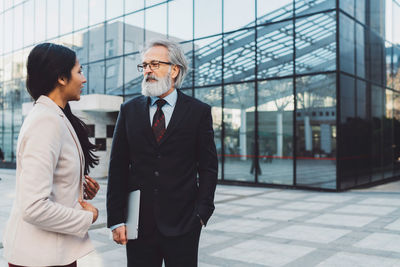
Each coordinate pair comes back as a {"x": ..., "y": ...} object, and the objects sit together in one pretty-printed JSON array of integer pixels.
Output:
[
  {"x": 207, "y": 166},
  {"x": 39, "y": 152},
  {"x": 117, "y": 190}
]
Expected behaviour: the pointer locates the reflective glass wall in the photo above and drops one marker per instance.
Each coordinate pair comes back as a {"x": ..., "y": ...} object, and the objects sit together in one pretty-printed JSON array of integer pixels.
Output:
[{"x": 304, "y": 93}]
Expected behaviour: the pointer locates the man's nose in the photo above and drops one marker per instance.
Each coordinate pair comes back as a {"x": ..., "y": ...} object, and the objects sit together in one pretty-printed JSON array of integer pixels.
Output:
[{"x": 147, "y": 69}]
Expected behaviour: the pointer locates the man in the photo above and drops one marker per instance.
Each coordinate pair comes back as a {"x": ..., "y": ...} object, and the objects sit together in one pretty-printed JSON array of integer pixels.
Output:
[{"x": 164, "y": 146}]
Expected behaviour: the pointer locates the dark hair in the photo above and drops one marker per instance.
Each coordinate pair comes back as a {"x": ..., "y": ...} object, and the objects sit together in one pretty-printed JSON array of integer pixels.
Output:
[{"x": 46, "y": 64}]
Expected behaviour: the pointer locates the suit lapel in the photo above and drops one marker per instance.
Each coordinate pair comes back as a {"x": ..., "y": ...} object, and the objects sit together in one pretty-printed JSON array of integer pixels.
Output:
[
  {"x": 144, "y": 115},
  {"x": 177, "y": 115}
]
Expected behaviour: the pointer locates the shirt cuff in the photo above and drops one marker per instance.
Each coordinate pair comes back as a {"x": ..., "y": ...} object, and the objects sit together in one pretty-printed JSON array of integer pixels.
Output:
[{"x": 112, "y": 228}]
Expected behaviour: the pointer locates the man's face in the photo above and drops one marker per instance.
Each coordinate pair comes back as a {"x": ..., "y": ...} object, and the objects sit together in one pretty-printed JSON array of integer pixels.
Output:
[
  {"x": 158, "y": 81},
  {"x": 156, "y": 53}
]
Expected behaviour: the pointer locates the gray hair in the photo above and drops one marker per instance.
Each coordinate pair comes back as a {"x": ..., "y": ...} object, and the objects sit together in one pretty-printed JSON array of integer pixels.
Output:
[{"x": 176, "y": 57}]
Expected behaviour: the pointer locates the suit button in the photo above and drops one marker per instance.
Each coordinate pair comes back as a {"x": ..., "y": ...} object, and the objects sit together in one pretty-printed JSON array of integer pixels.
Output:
[
  {"x": 156, "y": 173},
  {"x": 155, "y": 191},
  {"x": 159, "y": 156}
]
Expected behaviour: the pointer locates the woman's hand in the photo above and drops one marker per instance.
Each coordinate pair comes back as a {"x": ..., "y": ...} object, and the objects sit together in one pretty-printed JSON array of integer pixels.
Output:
[
  {"x": 91, "y": 187},
  {"x": 89, "y": 207}
]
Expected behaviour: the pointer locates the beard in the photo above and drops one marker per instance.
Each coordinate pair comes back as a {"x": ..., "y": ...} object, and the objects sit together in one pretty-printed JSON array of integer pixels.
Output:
[{"x": 157, "y": 88}]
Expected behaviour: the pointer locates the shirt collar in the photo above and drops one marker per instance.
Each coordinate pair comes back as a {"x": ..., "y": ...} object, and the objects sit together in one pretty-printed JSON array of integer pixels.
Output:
[{"x": 171, "y": 98}]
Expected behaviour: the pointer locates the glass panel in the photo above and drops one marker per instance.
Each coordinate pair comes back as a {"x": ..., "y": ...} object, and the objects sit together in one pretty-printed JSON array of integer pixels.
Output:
[
  {"x": 114, "y": 75},
  {"x": 153, "y": 2},
  {"x": 239, "y": 56},
  {"x": 316, "y": 131},
  {"x": 240, "y": 163},
  {"x": 275, "y": 50},
  {"x": 394, "y": 30},
  {"x": 8, "y": 4},
  {"x": 7, "y": 71},
  {"x": 359, "y": 130},
  {"x": 85, "y": 70},
  {"x": 396, "y": 132},
  {"x": 67, "y": 40},
  {"x": 8, "y": 32},
  {"x": 275, "y": 131},
  {"x": 238, "y": 14},
  {"x": 348, "y": 6},
  {"x": 180, "y": 20},
  {"x": 388, "y": 149},
  {"x": 304, "y": 7},
  {"x": 377, "y": 114},
  {"x": 377, "y": 17},
  {"x": 156, "y": 22},
  {"x": 134, "y": 32},
  {"x": 360, "y": 11},
  {"x": 271, "y": 11},
  {"x": 360, "y": 51},
  {"x": 52, "y": 18},
  {"x": 133, "y": 78},
  {"x": 96, "y": 43},
  {"x": 361, "y": 100},
  {"x": 1, "y": 35},
  {"x": 81, "y": 14},
  {"x": 349, "y": 144},
  {"x": 208, "y": 61},
  {"x": 347, "y": 43},
  {"x": 213, "y": 97},
  {"x": 188, "y": 81},
  {"x": 347, "y": 98},
  {"x": 115, "y": 8},
  {"x": 96, "y": 11},
  {"x": 29, "y": 23},
  {"x": 389, "y": 64},
  {"x": 133, "y": 5},
  {"x": 115, "y": 38},
  {"x": 208, "y": 17},
  {"x": 66, "y": 16},
  {"x": 316, "y": 43},
  {"x": 376, "y": 58},
  {"x": 396, "y": 68},
  {"x": 96, "y": 78},
  {"x": 81, "y": 46}
]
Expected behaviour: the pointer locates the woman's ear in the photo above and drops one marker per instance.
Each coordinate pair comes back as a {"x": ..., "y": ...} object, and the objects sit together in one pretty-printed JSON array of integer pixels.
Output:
[
  {"x": 175, "y": 71},
  {"x": 62, "y": 80}
]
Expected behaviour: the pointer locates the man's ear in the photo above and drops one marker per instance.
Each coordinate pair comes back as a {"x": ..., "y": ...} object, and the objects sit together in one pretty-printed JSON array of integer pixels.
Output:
[
  {"x": 175, "y": 71},
  {"x": 62, "y": 80}
]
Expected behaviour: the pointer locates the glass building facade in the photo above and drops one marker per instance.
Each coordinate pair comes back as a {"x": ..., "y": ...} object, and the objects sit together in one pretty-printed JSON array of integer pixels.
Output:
[{"x": 304, "y": 93}]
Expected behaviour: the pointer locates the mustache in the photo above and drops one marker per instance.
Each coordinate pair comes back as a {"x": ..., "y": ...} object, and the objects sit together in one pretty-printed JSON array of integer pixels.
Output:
[{"x": 149, "y": 76}]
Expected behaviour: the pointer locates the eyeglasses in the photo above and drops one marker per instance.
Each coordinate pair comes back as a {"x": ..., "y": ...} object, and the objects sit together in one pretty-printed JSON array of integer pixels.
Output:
[{"x": 155, "y": 64}]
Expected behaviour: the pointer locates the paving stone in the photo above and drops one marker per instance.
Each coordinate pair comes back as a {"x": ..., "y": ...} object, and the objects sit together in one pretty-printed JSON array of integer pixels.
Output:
[
  {"x": 381, "y": 241},
  {"x": 263, "y": 252},
  {"x": 343, "y": 220},
  {"x": 323, "y": 235},
  {"x": 345, "y": 259}
]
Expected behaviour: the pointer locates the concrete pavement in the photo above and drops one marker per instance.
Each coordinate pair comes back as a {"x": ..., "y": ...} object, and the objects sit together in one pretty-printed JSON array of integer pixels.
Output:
[{"x": 272, "y": 227}]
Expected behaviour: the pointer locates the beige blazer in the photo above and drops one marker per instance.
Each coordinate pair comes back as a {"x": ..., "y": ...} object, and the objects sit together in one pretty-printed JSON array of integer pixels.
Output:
[{"x": 47, "y": 225}]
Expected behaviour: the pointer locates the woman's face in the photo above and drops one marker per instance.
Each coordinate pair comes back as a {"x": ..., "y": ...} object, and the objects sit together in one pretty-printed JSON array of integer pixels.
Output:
[{"x": 73, "y": 88}]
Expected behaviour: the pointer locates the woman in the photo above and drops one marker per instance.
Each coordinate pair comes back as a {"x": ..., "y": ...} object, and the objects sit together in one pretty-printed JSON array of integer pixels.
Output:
[{"x": 49, "y": 222}]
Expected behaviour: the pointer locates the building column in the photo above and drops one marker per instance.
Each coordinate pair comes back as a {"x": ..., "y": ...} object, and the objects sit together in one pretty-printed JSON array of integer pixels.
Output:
[
  {"x": 326, "y": 142},
  {"x": 279, "y": 134},
  {"x": 307, "y": 133},
  {"x": 242, "y": 134}
]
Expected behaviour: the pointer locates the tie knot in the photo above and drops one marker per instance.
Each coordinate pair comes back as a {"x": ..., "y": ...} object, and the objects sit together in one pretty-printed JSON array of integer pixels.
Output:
[{"x": 160, "y": 103}]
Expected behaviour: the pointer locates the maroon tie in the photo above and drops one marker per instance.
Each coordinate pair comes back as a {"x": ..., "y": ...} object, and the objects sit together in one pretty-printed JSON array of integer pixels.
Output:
[{"x": 159, "y": 121}]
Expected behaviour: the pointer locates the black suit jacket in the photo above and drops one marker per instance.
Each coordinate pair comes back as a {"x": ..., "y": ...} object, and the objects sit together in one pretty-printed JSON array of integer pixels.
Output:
[{"x": 172, "y": 198}]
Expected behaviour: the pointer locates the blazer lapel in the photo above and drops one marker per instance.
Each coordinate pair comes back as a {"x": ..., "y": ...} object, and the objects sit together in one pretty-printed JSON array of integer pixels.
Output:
[{"x": 177, "y": 115}]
